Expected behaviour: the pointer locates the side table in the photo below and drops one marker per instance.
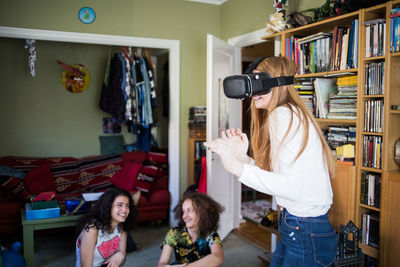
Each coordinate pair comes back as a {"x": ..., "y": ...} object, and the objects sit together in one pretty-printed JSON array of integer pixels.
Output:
[{"x": 31, "y": 225}]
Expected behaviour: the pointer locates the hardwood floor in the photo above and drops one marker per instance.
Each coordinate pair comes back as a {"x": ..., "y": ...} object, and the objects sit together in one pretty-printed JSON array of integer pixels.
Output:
[
  {"x": 254, "y": 234},
  {"x": 258, "y": 236}
]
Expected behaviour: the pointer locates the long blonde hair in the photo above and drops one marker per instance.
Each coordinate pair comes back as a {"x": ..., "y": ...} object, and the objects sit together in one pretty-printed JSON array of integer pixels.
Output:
[{"x": 282, "y": 96}]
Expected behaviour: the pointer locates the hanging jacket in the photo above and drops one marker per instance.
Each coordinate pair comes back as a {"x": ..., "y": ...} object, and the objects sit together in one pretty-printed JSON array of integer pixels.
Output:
[{"x": 112, "y": 98}]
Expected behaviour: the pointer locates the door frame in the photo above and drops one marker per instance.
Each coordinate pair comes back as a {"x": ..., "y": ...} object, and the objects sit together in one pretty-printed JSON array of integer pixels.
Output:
[{"x": 174, "y": 82}]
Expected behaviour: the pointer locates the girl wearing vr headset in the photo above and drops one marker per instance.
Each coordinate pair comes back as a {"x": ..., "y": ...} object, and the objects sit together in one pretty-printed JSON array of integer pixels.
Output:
[{"x": 292, "y": 162}]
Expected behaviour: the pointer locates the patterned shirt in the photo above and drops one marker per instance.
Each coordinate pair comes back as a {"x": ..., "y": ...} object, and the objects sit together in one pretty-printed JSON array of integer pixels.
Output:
[{"x": 187, "y": 251}]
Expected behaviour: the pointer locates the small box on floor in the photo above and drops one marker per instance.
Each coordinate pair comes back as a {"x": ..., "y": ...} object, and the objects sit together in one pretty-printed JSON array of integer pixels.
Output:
[{"x": 41, "y": 214}]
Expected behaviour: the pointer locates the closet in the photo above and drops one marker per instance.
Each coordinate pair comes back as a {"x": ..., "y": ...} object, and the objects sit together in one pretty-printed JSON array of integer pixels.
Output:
[{"x": 39, "y": 116}]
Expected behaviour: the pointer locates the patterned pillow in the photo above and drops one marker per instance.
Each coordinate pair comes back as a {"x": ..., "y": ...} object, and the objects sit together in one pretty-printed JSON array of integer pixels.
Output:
[
  {"x": 126, "y": 177},
  {"x": 13, "y": 188}
]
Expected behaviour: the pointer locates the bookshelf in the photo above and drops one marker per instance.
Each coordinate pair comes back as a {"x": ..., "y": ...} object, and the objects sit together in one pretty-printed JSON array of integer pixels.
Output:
[{"x": 375, "y": 123}]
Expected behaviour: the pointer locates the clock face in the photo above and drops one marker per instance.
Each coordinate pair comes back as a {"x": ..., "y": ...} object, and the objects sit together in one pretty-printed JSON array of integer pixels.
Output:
[{"x": 86, "y": 15}]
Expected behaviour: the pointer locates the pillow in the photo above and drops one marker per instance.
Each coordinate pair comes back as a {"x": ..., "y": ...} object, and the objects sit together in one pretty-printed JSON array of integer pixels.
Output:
[
  {"x": 126, "y": 177},
  {"x": 111, "y": 144},
  {"x": 134, "y": 156},
  {"x": 145, "y": 178},
  {"x": 40, "y": 180},
  {"x": 13, "y": 188}
]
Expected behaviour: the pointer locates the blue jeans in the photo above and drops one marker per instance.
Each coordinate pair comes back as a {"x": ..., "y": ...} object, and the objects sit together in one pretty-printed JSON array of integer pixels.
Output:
[{"x": 305, "y": 241}]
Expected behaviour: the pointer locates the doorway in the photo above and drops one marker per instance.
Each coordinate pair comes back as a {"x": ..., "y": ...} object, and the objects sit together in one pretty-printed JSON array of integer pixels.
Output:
[{"x": 254, "y": 204}]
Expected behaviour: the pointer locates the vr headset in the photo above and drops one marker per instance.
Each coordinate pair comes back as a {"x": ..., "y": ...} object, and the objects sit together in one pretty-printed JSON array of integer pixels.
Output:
[{"x": 249, "y": 84}]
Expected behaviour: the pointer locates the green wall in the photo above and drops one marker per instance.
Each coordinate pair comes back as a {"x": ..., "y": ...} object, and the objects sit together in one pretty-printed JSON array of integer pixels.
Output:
[
  {"x": 239, "y": 17},
  {"x": 33, "y": 115}
]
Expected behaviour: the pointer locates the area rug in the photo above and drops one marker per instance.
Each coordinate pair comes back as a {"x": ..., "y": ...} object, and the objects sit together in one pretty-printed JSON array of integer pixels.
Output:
[{"x": 254, "y": 211}]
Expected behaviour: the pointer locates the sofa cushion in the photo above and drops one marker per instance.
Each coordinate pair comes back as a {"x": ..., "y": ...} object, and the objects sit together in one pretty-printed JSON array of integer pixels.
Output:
[
  {"x": 134, "y": 156},
  {"x": 22, "y": 163},
  {"x": 156, "y": 198},
  {"x": 66, "y": 174},
  {"x": 96, "y": 172},
  {"x": 126, "y": 177},
  {"x": 13, "y": 188},
  {"x": 40, "y": 180},
  {"x": 112, "y": 144}
]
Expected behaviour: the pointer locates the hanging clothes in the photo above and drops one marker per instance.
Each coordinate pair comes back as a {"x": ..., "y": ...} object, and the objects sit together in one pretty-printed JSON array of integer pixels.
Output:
[
  {"x": 129, "y": 96},
  {"x": 112, "y": 98},
  {"x": 165, "y": 91}
]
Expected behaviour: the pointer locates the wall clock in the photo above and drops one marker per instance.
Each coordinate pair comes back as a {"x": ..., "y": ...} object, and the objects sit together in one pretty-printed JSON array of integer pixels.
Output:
[{"x": 86, "y": 15}]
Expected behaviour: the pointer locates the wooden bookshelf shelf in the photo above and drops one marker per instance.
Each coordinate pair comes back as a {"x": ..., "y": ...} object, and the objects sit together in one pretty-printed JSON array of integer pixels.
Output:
[
  {"x": 394, "y": 111},
  {"x": 395, "y": 54},
  {"x": 363, "y": 168},
  {"x": 374, "y": 58},
  {"x": 373, "y": 96},
  {"x": 372, "y": 133},
  {"x": 370, "y": 251},
  {"x": 274, "y": 36},
  {"x": 324, "y": 25},
  {"x": 370, "y": 207},
  {"x": 335, "y": 73}
]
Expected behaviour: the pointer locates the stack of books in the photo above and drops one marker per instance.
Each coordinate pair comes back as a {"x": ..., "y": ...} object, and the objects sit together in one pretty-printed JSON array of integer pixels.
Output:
[
  {"x": 343, "y": 105},
  {"x": 197, "y": 121},
  {"x": 305, "y": 88}
]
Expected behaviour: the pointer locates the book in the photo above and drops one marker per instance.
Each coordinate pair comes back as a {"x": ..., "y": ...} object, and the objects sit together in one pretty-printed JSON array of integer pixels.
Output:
[
  {"x": 313, "y": 37},
  {"x": 45, "y": 196},
  {"x": 324, "y": 87}
]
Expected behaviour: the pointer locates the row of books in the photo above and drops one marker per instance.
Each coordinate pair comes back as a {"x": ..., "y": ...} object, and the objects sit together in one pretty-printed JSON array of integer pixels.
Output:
[
  {"x": 374, "y": 78},
  {"x": 373, "y": 118},
  {"x": 325, "y": 51},
  {"x": 395, "y": 30},
  {"x": 370, "y": 189},
  {"x": 375, "y": 38},
  {"x": 372, "y": 151},
  {"x": 370, "y": 230}
]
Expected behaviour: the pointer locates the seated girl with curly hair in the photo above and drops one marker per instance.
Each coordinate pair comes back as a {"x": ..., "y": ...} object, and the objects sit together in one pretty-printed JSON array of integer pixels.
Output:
[
  {"x": 195, "y": 240},
  {"x": 103, "y": 231}
]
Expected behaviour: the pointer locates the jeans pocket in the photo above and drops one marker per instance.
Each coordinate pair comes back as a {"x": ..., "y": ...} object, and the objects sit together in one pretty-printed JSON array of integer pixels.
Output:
[
  {"x": 291, "y": 223},
  {"x": 324, "y": 247}
]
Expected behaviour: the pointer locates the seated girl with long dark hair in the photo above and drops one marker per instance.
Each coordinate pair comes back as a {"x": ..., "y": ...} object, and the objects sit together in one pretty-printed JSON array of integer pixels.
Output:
[{"x": 103, "y": 231}]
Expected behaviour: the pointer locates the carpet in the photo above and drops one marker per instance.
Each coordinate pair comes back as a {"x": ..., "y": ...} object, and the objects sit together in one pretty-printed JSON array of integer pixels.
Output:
[{"x": 254, "y": 211}]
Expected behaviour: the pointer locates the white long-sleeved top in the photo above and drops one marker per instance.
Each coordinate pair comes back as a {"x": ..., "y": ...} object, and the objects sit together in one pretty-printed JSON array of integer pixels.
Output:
[{"x": 302, "y": 187}]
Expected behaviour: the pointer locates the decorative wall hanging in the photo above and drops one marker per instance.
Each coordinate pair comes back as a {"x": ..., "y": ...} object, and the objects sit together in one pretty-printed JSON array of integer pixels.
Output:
[
  {"x": 31, "y": 45},
  {"x": 86, "y": 15},
  {"x": 75, "y": 78}
]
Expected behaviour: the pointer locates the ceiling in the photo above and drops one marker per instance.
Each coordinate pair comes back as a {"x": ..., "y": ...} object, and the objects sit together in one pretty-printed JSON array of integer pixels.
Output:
[{"x": 213, "y": 2}]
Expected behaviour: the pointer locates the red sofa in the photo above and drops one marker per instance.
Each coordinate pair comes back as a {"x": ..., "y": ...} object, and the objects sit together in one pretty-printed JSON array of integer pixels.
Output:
[{"x": 70, "y": 177}]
